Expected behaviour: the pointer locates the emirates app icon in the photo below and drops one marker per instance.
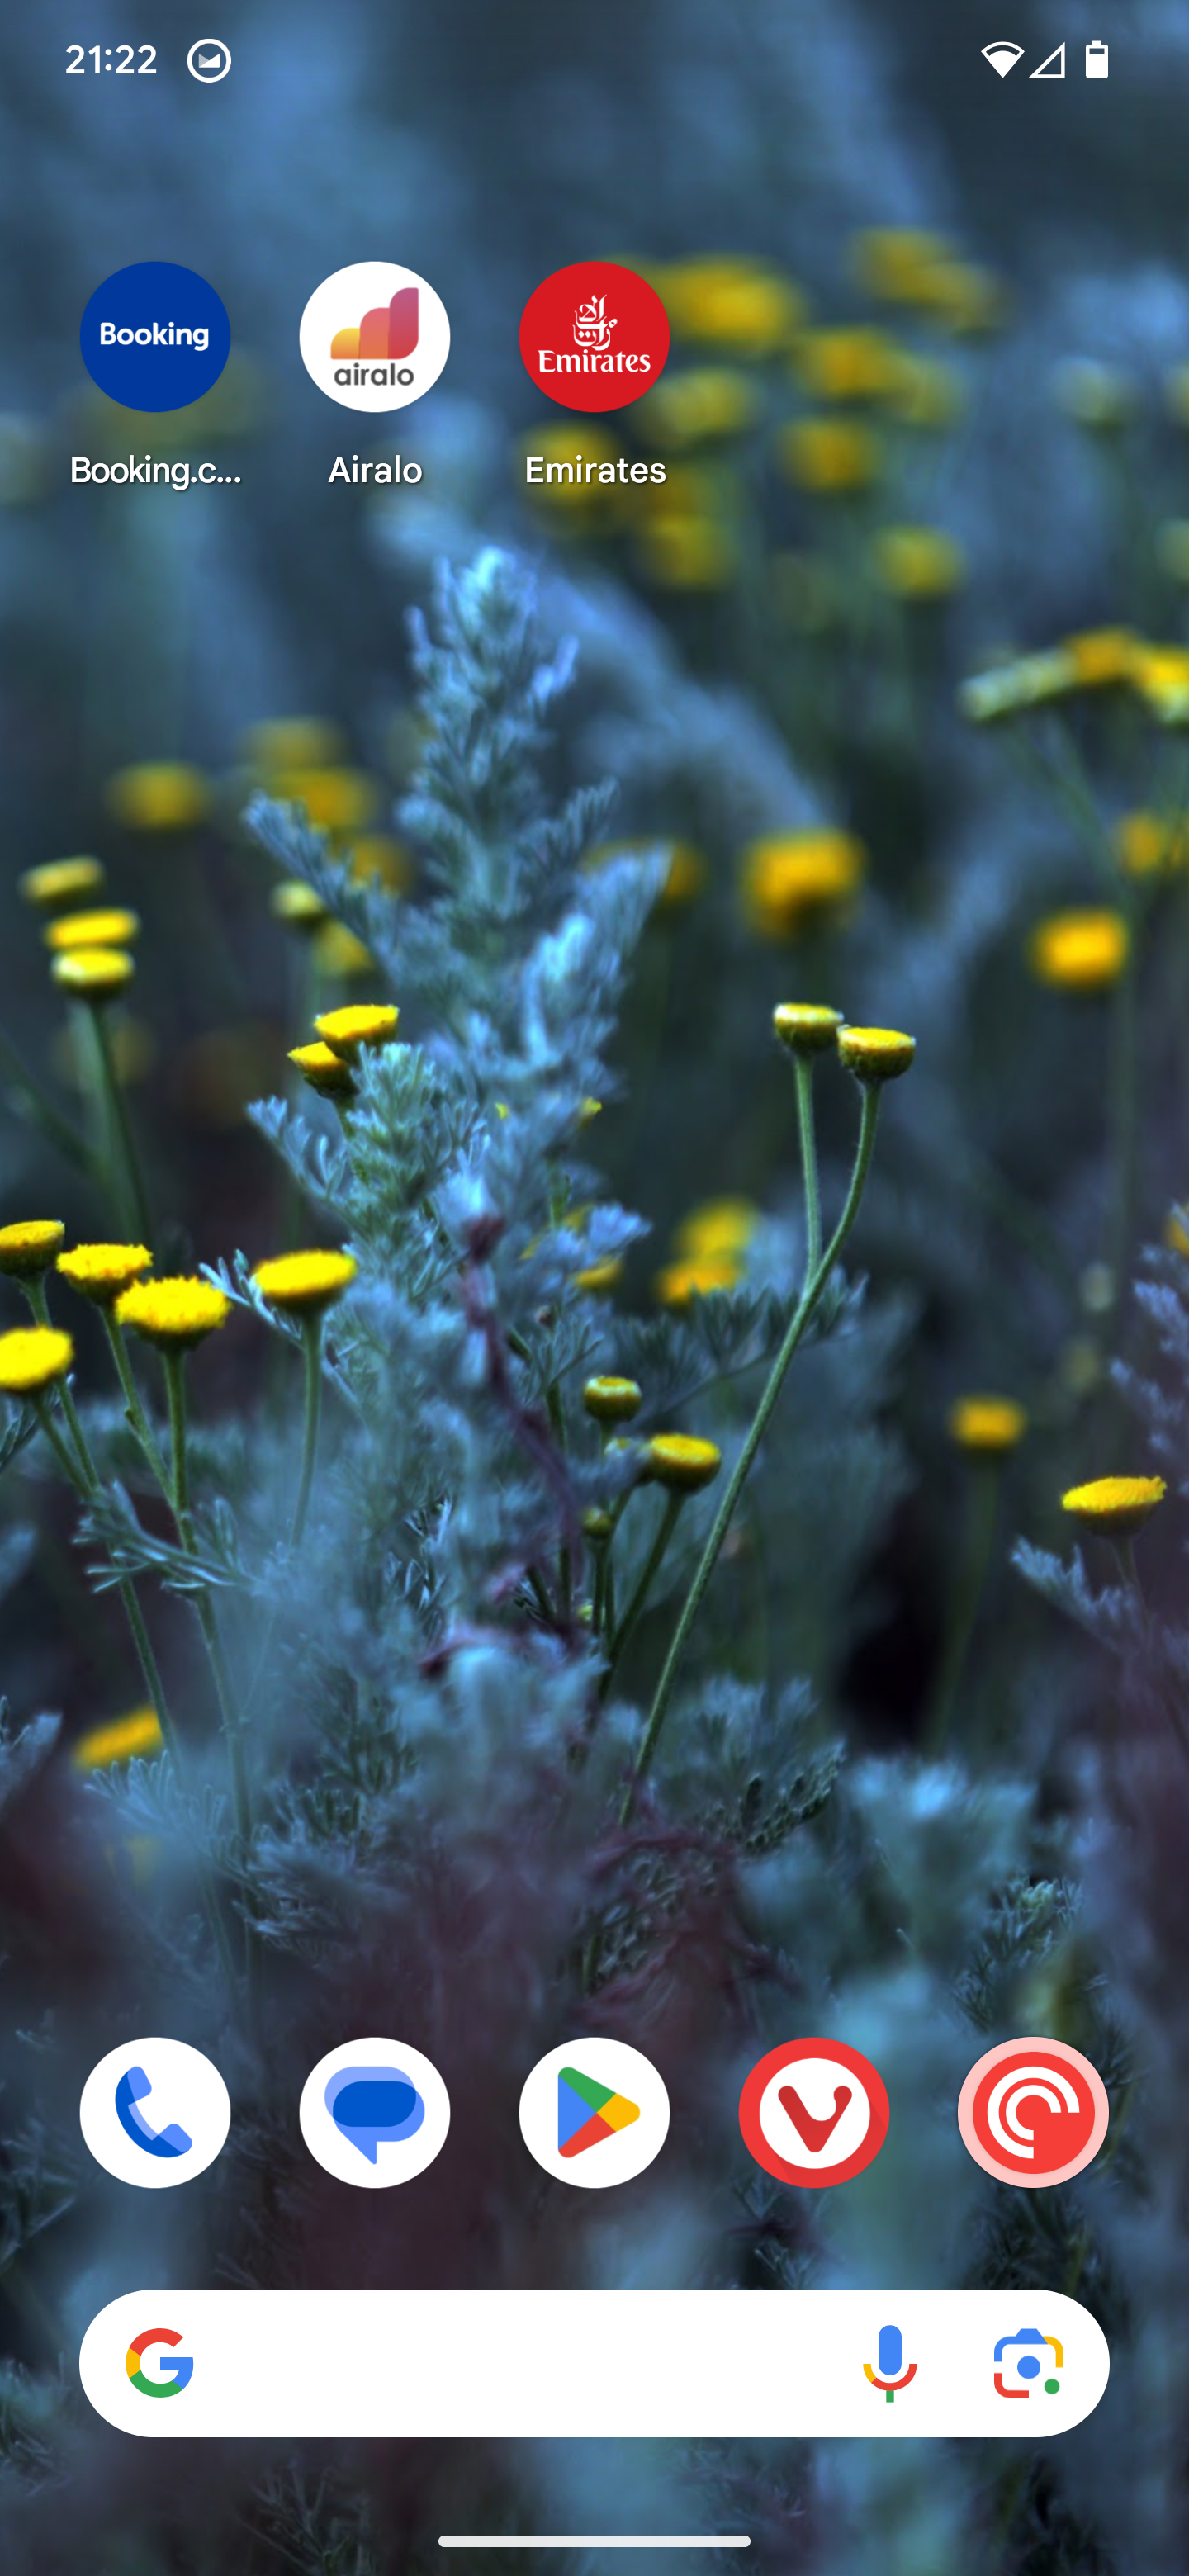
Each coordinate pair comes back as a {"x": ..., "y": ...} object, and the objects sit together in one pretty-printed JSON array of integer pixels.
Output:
[{"x": 594, "y": 336}]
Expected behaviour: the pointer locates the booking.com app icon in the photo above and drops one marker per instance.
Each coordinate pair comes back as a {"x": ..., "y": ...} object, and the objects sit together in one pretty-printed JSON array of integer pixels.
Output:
[
  {"x": 374, "y": 2113},
  {"x": 155, "y": 336}
]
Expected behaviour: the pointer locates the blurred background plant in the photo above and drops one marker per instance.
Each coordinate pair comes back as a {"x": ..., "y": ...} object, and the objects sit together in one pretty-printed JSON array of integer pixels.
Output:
[{"x": 891, "y": 681}]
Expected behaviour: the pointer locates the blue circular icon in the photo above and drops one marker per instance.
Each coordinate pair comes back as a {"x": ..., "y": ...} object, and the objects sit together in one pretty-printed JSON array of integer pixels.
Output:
[
  {"x": 1028, "y": 2366},
  {"x": 155, "y": 336}
]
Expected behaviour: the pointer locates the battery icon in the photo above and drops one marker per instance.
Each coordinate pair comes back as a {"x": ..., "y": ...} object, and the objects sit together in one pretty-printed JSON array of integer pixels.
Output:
[{"x": 1097, "y": 62}]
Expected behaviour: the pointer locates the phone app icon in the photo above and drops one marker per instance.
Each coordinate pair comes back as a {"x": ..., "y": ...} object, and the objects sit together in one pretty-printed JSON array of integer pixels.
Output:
[
  {"x": 155, "y": 2113},
  {"x": 1033, "y": 2112},
  {"x": 594, "y": 2113},
  {"x": 814, "y": 2112},
  {"x": 374, "y": 2112}
]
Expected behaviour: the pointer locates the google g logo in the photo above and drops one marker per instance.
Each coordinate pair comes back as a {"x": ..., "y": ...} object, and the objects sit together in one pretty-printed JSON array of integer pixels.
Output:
[{"x": 176, "y": 2373}]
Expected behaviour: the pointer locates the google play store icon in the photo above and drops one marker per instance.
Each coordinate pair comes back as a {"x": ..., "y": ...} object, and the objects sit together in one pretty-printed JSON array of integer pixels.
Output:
[
  {"x": 594, "y": 2093},
  {"x": 587, "y": 2112}
]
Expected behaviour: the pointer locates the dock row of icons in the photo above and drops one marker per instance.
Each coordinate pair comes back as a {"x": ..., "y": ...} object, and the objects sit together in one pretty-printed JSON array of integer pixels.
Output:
[
  {"x": 594, "y": 2112},
  {"x": 1003, "y": 57}
]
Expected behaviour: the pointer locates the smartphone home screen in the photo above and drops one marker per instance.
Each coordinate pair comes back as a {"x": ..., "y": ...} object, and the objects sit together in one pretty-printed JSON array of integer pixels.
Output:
[{"x": 594, "y": 1289}]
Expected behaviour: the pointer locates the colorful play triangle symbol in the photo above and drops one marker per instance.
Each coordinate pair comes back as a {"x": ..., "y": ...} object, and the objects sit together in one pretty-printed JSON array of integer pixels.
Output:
[{"x": 588, "y": 2112}]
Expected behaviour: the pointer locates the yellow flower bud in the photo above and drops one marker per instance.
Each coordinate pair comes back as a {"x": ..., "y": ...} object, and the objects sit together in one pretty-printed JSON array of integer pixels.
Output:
[{"x": 1118, "y": 1506}]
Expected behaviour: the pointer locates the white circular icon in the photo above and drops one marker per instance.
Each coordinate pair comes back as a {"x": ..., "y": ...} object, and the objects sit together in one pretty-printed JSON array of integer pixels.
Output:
[
  {"x": 374, "y": 2113},
  {"x": 375, "y": 336},
  {"x": 155, "y": 2113},
  {"x": 209, "y": 59},
  {"x": 594, "y": 2112}
]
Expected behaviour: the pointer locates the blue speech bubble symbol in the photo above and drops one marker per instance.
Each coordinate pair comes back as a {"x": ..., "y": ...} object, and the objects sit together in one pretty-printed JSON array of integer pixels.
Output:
[{"x": 370, "y": 2103}]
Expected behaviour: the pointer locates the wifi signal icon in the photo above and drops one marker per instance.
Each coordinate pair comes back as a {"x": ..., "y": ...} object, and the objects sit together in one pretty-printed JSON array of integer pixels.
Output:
[{"x": 1003, "y": 57}]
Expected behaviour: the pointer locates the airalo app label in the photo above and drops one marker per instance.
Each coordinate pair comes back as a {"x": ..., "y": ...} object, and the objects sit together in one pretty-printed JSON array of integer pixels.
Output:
[
  {"x": 375, "y": 336},
  {"x": 594, "y": 336},
  {"x": 155, "y": 336}
]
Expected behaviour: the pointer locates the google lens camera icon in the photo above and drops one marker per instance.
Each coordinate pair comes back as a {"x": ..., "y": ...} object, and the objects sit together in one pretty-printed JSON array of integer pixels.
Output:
[{"x": 1020, "y": 2358}]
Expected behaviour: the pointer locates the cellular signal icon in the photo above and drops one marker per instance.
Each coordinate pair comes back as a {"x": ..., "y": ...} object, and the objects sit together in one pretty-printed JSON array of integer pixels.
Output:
[
  {"x": 1003, "y": 57},
  {"x": 890, "y": 2355}
]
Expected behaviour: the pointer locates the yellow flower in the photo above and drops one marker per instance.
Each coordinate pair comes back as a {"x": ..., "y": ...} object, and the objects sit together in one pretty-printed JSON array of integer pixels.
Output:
[
  {"x": 32, "y": 1359},
  {"x": 963, "y": 299},
  {"x": 730, "y": 303},
  {"x": 601, "y": 1277},
  {"x": 31, "y": 1247},
  {"x": 304, "y": 1282},
  {"x": 854, "y": 365},
  {"x": 689, "y": 410},
  {"x": 687, "y": 868},
  {"x": 61, "y": 881},
  {"x": 113, "y": 928},
  {"x": 718, "y": 1226},
  {"x": 1146, "y": 845},
  {"x": 174, "y": 1313},
  {"x": 897, "y": 263},
  {"x": 924, "y": 394},
  {"x": 378, "y": 859},
  {"x": 358, "y": 1024},
  {"x": 917, "y": 563},
  {"x": 987, "y": 1425},
  {"x": 339, "y": 952},
  {"x": 680, "y": 552},
  {"x": 292, "y": 743},
  {"x": 830, "y": 456},
  {"x": 795, "y": 881},
  {"x": 698, "y": 1275},
  {"x": 336, "y": 800},
  {"x": 1160, "y": 674},
  {"x": 682, "y": 1463},
  {"x": 1104, "y": 657},
  {"x": 1176, "y": 1233},
  {"x": 102, "y": 1271},
  {"x": 1099, "y": 398},
  {"x": 1030, "y": 680},
  {"x": 1080, "y": 952},
  {"x": 125, "y": 1739},
  {"x": 296, "y": 904},
  {"x": 876, "y": 1055},
  {"x": 94, "y": 974},
  {"x": 159, "y": 796},
  {"x": 612, "y": 1399},
  {"x": 806, "y": 1028},
  {"x": 1116, "y": 1505},
  {"x": 327, "y": 1073}
]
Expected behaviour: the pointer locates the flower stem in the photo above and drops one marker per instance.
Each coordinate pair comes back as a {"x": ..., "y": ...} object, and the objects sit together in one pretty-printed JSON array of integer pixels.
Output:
[
  {"x": 138, "y": 1419},
  {"x": 126, "y": 1176},
  {"x": 35, "y": 1299},
  {"x": 179, "y": 1497},
  {"x": 15, "y": 1075},
  {"x": 967, "y": 1600},
  {"x": 803, "y": 1069},
  {"x": 632, "y": 1615},
  {"x": 808, "y": 1301},
  {"x": 312, "y": 1358},
  {"x": 1124, "y": 1106}
]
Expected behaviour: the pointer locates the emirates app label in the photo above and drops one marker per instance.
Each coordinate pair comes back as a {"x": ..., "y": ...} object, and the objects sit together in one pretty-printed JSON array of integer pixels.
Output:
[{"x": 594, "y": 336}]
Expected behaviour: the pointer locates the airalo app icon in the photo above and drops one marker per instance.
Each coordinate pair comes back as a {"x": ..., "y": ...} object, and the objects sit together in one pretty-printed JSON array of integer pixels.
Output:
[
  {"x": 594, "y": 336},
  {"x": 375, "y": 336}
]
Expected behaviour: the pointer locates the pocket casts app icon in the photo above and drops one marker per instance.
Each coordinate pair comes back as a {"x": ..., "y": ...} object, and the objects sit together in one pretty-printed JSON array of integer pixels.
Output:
[{"x": 594, "y": 2112}]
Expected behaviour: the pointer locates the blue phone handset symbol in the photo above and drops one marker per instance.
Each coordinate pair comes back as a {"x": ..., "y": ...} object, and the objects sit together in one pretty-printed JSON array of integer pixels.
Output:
[{"x": 133, "y": 2087}]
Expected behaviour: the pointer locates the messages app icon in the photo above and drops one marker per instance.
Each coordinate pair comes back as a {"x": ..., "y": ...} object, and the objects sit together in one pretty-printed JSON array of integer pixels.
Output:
[{"x": 374, "y": 2112}]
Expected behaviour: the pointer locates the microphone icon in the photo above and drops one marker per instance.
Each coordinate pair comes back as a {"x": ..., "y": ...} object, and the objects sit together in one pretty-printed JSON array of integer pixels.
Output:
[{"x": 890, "y": 2355}]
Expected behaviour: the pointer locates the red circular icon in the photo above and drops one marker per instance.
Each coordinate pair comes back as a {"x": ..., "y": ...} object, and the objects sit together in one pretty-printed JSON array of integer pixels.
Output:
[
  {"x": 594, "y": 336},
  {"x": 1033, "y": 2112},
  {"x": 814, "y": 2112}
]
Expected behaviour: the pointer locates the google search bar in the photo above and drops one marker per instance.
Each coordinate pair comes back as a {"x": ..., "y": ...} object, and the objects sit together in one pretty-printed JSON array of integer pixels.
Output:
[{"x": 169, "y": 2364}]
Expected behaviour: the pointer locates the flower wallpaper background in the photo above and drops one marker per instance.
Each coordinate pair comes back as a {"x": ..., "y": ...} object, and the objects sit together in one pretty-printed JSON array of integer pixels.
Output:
[{"x": 594, "y": 1364}]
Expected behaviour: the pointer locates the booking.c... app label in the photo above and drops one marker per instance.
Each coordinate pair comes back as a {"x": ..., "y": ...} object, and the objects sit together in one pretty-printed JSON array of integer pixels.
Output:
[{"x": 375, "y": 336}]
